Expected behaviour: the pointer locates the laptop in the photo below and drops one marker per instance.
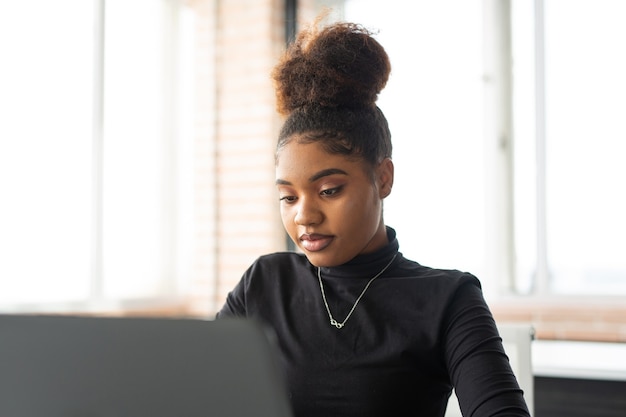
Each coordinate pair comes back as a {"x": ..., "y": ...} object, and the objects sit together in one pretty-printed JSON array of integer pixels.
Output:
[{"x": 73, "y": 366}]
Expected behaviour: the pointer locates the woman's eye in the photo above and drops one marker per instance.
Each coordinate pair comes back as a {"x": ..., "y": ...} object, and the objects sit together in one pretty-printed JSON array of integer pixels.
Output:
[
  {"x": 331, "y": 191},
  {"x": 288, "y": 199}
]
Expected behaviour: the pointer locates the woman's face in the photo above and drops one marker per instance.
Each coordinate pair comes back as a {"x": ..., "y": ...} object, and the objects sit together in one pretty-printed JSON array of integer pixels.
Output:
[{"x": 330, "y": 206}]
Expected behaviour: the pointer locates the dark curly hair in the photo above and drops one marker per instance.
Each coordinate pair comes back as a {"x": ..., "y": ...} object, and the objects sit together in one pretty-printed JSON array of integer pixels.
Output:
[{"x": 327, "y": 84}]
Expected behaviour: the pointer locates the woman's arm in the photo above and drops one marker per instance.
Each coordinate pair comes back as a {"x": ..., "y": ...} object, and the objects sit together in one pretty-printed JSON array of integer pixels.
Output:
[{"x": 478, "y": 365}]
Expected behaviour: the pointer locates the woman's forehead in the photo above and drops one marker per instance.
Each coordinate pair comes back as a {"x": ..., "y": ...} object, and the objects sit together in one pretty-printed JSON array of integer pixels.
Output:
[{"x": 306, "y": 159}]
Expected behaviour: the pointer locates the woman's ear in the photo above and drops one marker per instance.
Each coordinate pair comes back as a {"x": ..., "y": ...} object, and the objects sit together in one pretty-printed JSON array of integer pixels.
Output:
[{"x": 385, "y": 177}]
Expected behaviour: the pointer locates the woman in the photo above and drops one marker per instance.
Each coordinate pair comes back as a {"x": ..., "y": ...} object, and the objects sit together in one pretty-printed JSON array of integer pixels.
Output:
[{"x": 363, "y": 331}]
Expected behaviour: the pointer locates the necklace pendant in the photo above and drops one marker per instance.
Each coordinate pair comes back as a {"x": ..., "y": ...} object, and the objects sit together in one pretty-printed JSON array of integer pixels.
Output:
[{"x": 336, "y": 323}]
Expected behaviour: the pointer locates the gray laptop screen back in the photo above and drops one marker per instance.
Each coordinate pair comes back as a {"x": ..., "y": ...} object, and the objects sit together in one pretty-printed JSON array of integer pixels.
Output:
[{"x": 58, "y": 366}]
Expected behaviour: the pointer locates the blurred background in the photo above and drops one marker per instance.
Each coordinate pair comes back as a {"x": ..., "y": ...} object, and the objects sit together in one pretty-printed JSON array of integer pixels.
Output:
[{"x": 137, "y": 171}]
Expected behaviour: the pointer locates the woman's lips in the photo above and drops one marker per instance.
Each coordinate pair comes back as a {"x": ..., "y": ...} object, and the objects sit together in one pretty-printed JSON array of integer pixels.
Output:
[{"x": 315, "y": 243}]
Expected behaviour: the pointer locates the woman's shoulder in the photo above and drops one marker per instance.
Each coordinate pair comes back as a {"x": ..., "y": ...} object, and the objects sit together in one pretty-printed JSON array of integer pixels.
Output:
[
  {"x": 435, "y": 277},
  {"x": 411, "y": 267},
  {"x": 275, "y": 273},
  {"x": 282, "y": 258},
  {"x": 278, "y": 262}
]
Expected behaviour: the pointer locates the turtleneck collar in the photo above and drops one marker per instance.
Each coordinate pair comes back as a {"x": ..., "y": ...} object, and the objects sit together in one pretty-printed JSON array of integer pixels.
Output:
[{"x": 363, "y": 266}]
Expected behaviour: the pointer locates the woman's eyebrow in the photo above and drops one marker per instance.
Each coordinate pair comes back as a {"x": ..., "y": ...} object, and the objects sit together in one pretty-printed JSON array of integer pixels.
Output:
[
  {"x": 316, "y": 176},
  {"x": 325, "y": 173}
]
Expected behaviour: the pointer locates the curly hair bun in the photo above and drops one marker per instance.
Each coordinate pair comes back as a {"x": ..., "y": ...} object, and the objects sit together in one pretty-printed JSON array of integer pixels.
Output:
[{"x": 340, "y": 65}]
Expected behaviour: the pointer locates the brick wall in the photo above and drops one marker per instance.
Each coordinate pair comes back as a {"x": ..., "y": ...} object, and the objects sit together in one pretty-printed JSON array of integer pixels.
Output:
[
  {"x": 238, "y": 42},
  {"x": 250, "y": 37}
]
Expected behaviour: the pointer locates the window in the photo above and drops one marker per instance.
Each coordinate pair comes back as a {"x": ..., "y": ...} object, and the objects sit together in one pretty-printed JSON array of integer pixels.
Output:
[
  {"x": 45, "y": 150},
  {"x": 548, "y": 217},
  {"x": 570, "y": 138},
  {"x": 96, "y": 199},
  {"x": 433, "y": 102}
]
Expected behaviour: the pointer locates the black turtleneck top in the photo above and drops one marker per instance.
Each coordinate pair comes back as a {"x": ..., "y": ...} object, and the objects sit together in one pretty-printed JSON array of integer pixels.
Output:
[{"x": 416, "y": 333}]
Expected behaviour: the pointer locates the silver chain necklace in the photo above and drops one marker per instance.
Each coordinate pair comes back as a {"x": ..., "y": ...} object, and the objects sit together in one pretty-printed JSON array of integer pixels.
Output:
[{"x": 334, "y": 322}]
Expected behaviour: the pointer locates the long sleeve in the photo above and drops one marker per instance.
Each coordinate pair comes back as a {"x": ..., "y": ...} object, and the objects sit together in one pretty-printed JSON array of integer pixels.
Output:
[{"x": 478, "y": 365}]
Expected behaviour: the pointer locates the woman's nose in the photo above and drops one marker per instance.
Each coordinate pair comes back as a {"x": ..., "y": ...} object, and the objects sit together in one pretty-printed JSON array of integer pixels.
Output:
[{"x": 307, "y": 213}]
